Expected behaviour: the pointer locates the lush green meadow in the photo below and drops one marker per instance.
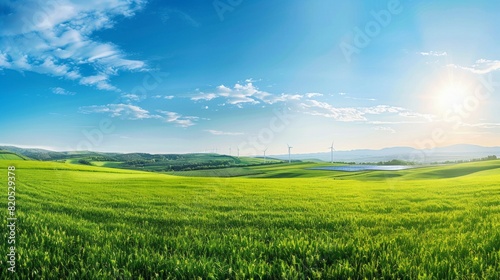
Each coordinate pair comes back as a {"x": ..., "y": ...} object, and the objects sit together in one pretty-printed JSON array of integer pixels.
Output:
[{"x": 85, "y": 222}]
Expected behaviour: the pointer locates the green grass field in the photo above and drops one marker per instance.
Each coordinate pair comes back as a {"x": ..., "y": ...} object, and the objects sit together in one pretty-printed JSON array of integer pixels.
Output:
[{"x": 87, "y": 222}]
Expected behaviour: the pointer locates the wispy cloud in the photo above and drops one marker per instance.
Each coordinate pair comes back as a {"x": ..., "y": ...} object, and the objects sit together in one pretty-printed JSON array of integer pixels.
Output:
[
  {"x": 131, "y": 97},
  {"x": 218, "y": 132},
  {"x": 482, "y": 66},
  {"x": 283, "y": 98},
  {"x": 168, "y": 97},
  {"x": 125, "y": 111},
  {"x": 313, "y": 94},
  {"x": 204, "y": 96},
  {"x": 133, "y": 112},
  {"x": 433, "y": 53},
  {"x": 483, "y": 125},
  {"x": 61, "y": 91},
  {"x": 242, "y": 93},
  {"x": 347, "y": 96},
  {"x": 379, "y": 109},
  {"x": 100, "y": 81},
  {"x": 55, "y": 38},
  {"x": 247, "y": 93},
  {"x": 317, "y": 108},
  {"x": 385, "y": 128},
  {"x": 360, "y": 98},
  {"x": 178, "y": 119},
  {"x": 350, "y": 114}
]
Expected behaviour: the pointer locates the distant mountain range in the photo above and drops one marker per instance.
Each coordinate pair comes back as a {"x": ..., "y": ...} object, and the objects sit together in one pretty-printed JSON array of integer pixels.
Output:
[{"x": 442, "y": 154}]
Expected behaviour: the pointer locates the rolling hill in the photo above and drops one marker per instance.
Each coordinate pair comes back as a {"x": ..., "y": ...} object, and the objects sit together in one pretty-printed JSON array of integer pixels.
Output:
[
  {"x": 7, "y": 155},
  {"x": 144, "y": 161}
]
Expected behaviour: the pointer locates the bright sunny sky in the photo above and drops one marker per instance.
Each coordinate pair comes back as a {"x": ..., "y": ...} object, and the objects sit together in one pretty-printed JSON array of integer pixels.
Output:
[{"x": 205, "y": 76}]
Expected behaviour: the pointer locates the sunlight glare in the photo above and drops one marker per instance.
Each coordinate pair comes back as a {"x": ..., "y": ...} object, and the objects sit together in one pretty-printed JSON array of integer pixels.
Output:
[{"x": 451, "y": 95}]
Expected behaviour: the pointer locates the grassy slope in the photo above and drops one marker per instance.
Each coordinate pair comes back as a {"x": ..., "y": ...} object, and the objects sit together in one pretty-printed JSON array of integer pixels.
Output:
[
  {"x": 82, "y": 222},
  {"x": 301, "y": 170},
  {"x": 6, "y": 155}
]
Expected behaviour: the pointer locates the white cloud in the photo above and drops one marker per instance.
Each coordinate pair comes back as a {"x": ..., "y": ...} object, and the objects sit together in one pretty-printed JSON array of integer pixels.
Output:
[
  {"x": 204, "y": 96},
  {"x": 218, "y": 132},
  {"x": 132, "y": 112},
  {"x": 379, "y": 109},
  {"x": 313, "y": 94},
  {"x": 283, "y": 98},
  {"x": 125, "y": 111},
  {"x": 410, "y": 114},
  {"x": 61, "y": 91},
  {"x": 247, "y": 93},
  {"x": 359, "y": 98},
  {"x": 242, "y": 93},
  {"x": 168, "y": 97},
  {"x": 4, "y": 63},
  {"x": 55, "y": 38},
  {"x": 482, "y": 66},
  {"x": 316, "y": 108},
  {"x": 178, "y": 119},
  {"x": 100, "y": 81},
  {"x": 483, "y": 125},
  {"x": 385, "y": 128},
  {"x": 434, "y": 53},
  {"x": 223, "y": 89},
  {"x": 346, "y": 95},
  {"x": 251, "y": 80},
  {"x": 349, "y": 114},
  {"x": 131, "y": 97}
]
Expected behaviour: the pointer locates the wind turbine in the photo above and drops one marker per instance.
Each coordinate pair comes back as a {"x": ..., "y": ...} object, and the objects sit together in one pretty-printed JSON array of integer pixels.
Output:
[
  {"x": 265, "y": 155},
  {"x": 238, "y": 148},
  {"x": 230, "y": 154},
  {"x": 289, "y": 158},
  {"x": 331, "y": 151}
]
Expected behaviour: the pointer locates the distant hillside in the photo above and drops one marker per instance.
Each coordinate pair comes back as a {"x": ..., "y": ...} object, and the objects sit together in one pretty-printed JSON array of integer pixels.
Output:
[
  {"x": 442, "y": 154},
  {"x": 144, "y": 161},
  {"x": 183, "y": 162},
  {"x": 40, "y": 154},
  {"x": 7, "y": 155}
]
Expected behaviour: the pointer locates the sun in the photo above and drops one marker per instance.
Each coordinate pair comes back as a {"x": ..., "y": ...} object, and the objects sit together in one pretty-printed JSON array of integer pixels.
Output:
[
  {"x": 447, "y": 91},
  {"x": 450, "y": 95}
]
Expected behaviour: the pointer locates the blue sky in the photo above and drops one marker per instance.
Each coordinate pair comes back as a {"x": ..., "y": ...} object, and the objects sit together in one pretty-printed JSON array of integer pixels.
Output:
[{"x": 198, "y": 76}]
